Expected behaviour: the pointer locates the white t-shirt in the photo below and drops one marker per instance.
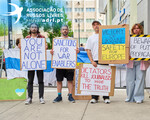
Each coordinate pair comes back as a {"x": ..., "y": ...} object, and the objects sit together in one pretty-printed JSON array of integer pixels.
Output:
[{"x": 92, "y": 44}]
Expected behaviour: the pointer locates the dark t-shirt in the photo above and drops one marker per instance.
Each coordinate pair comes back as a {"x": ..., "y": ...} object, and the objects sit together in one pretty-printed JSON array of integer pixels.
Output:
[{"x": 81, "y": 49}]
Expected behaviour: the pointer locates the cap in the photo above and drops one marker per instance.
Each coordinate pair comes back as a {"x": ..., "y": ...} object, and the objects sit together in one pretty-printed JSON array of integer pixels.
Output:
[{"x": 96, "y": 21}]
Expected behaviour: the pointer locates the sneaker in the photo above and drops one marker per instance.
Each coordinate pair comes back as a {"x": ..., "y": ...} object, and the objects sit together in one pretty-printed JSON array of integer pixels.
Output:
[
  {"x": 139, "y": 102},
  {"x": 28, "y": 101},
  {"x": 106, "y": 101},
  {"x": 71, "y": 99},
  {"x": 93, "y": 101},
  {"x": 126, "y": 100},
  {"x": 42, "y": 101},
  {"x": 58, "y": 99}
]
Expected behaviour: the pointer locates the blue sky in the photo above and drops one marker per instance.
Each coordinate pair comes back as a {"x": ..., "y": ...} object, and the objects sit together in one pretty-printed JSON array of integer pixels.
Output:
[{"x": 4, "y": 10}]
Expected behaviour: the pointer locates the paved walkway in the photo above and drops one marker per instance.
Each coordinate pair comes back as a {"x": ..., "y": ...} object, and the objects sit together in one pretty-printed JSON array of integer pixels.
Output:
[{"x": 81, "y": 110}]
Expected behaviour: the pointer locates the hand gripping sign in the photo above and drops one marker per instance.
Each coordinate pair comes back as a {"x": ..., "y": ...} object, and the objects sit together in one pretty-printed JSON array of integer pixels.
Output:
[
  {"x": 140, "y": 47},
  {"x": 98, "y": 80},
  {"x": 64, "y": 56},
  {"x": 114, "y": 44}
]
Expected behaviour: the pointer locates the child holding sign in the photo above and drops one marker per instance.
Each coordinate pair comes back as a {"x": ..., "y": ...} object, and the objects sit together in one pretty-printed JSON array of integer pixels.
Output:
[{"x": 136, "y": 71}]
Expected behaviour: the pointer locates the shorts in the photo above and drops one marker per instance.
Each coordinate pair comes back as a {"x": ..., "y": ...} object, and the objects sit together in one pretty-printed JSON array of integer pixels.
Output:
[
  {"x": 100, "y": 64},
  {"x": 67, "y": 73}
]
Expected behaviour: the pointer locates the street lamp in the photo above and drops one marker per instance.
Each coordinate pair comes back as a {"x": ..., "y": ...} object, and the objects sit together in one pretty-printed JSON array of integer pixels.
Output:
[
  {"x": 78, "y": 22},
  {"x": 9, "y": 26}
]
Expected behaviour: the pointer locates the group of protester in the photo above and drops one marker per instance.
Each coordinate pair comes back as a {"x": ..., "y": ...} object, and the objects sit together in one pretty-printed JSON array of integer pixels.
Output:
[{"x": 135, "y": 77}]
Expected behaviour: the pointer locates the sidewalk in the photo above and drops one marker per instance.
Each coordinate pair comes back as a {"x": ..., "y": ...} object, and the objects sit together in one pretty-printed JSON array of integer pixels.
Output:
[{"x": 81, "y": 110}]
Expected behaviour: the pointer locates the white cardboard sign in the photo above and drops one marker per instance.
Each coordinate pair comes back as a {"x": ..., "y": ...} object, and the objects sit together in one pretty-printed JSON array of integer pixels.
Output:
[
  {"x": 64, "y": 56},
  {"x": 33, "y": 56},
  {"x": 140, "y": 47},
  {"x": 95, "y": 79}
]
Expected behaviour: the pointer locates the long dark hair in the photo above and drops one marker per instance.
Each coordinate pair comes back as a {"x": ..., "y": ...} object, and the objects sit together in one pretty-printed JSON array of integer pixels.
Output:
[
  {"x": 37, "y": 28},
  {"x": 18, "y": 41}
]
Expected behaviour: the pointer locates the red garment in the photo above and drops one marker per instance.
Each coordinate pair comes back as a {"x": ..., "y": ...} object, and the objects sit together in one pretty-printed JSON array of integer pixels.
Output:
[{"x": 38, "y": 36}]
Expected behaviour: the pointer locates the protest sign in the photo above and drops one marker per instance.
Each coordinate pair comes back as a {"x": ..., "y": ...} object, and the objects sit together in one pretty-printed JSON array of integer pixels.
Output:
[
  {"x": 64, "y": 56},
  {"x": 75, "y": 95},
  {"x": 96, "y": 81},
  {"x": 140, "y": 47},
  {"x": 114, "y": 44},
  {"x": 14, "y": 89},
  {"x": 33, "y": 55}
]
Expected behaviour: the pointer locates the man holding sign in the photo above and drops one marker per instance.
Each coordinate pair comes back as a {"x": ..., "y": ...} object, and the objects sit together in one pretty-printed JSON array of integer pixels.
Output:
[
  {"x": 33, "y": 47},
  {"x": 92, "y": 51},
  {"x": 61, "y": 60}
]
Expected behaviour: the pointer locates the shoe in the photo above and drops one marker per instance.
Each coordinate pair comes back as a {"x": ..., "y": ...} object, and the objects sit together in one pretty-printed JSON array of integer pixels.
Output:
[
  {"x": 58, "y": 99},
  {"x": 71, "y": 99},
  {"x": 126, "y": 100},
  {"x": 106, "y": 101},
  {"x": 139, "y": 102},
  {"x": 93, "y": 101},
  {"x": 42, "y": 101},
  {"x": 28, "y": 101}
]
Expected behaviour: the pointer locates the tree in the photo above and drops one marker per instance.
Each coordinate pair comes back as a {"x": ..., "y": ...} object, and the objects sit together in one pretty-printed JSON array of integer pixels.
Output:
[
  {"x": 2, "y": 29},
  {"x": 52, "y": 28},
  {"x": 56, "y": 28},
  {"x": 1, "y": 51},
  {"x": 25, "y": 32}
]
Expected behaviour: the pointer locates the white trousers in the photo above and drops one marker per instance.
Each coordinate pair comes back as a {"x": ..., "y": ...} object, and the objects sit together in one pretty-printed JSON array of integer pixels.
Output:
[{"x": 135, "y": 79}]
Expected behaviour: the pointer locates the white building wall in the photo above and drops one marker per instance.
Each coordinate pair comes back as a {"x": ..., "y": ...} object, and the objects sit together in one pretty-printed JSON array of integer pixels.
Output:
[
  {"x": 116, "y": 19},
  {"x": 142, "y": 10}
]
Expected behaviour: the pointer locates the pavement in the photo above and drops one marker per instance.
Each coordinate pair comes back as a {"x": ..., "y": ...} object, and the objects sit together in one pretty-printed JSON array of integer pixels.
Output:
[{"x": 81, "y": 110}]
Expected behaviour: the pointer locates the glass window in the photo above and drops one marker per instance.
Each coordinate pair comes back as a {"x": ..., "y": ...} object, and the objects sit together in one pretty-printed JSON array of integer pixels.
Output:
[
  {"x": 90, "y": 9},
  {"x": 114, "y": 8},
  {"x": 76, "y": 20},
  {"x": 89, "y": 20},
  {"x": 121, "y": 4},
  {"x": 78, "y": 9}
]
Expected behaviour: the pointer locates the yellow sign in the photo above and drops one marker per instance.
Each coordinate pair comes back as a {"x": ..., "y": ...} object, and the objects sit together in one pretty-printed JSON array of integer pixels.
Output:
[{"x": 113, "y": 51}]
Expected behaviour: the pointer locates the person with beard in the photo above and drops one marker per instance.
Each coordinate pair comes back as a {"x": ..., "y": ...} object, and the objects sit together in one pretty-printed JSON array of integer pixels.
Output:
[
  {"x": 34, "y": 33},
  {"x": 67, "y": 73},
  {"x": 92, "y": 52}
]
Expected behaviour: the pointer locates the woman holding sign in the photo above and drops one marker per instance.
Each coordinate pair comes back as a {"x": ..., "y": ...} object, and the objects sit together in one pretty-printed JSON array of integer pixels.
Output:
[{"x": 136, "y": 71}]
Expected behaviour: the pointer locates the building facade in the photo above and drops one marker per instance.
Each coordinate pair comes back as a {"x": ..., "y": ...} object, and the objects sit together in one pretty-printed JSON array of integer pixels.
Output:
[
  {"x": 127, "y": 12},
  {"x": 82, "y": 13}
]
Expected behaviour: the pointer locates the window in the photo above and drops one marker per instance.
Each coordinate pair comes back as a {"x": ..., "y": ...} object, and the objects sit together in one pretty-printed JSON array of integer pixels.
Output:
[
  {"x": 121, "y": 4},
  {"x": 78, "y": 20},
  {"x": 83, "y": 40},
  {"x": 90, "y": 20},
  {"x": 90, "y": 9},
  {"x": 78, "y": 9},
  {"x": 89, "y": 30},
  {"x": 68, "y": 9},
  {"x": 114, "y": 8},
  {"x": 81, "y": 30}
]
